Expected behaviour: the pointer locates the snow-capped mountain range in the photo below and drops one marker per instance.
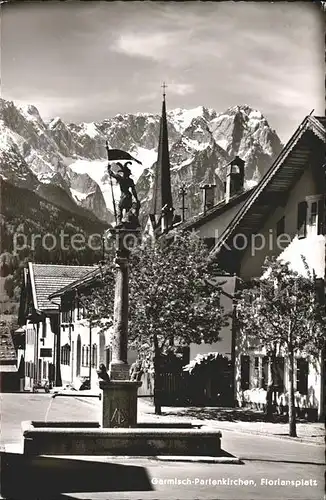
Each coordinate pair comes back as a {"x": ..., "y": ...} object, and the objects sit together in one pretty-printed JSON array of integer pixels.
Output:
[{"x": 66, "y": 163}]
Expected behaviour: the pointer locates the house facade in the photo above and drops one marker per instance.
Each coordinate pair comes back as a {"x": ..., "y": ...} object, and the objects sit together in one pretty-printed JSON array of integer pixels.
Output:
[
  {"x": 84, "y": 346},
  {"x": 41, "y": 349},
  {"x": 283, "y": 216},
  {"x": 209, "y": 225}
]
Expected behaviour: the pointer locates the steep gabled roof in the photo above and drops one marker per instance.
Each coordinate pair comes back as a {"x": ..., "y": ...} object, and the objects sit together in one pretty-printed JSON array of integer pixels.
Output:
[
  {"x": 83, "y": 281},
  {"x": 48, "y": 278},
  {"x": 278, "y": 180}
]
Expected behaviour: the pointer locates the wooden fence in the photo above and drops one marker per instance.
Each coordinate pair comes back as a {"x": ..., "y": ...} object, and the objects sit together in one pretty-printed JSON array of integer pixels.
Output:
[{"x": 182, "y": 389}]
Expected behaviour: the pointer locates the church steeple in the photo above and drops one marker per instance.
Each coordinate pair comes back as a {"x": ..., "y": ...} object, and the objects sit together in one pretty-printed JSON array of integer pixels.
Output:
[{"x": 162, "y": 207}]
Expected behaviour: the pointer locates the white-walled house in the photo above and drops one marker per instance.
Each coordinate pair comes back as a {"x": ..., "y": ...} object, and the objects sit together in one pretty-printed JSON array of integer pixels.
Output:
[
  {"x": 209, "y": 225},
  {"x": 41, "y": 319},
  {"x": 83, "y": 345},
  {"x": 283, "y": 216}
]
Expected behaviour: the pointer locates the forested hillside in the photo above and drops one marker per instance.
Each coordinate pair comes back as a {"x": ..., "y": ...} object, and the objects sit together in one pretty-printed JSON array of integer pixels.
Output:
[{"x": 25, "y": 219}]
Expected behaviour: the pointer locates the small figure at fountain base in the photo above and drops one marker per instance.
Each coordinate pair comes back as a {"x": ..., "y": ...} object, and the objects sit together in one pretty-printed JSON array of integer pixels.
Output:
[{"x": 102, "y": 373}]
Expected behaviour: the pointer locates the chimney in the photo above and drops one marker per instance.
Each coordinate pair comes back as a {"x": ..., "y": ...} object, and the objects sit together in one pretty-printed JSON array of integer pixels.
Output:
[
  {"x": 208, "y": 196},
  {"x": 234, "y": 178}
]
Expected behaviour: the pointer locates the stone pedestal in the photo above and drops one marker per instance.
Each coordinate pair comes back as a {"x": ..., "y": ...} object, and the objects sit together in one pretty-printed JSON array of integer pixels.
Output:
[{"x": 119, "y": 403}]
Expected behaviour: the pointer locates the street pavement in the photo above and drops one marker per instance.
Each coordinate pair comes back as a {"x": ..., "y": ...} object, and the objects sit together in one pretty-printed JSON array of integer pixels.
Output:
[{"x": 271, "y": 468}]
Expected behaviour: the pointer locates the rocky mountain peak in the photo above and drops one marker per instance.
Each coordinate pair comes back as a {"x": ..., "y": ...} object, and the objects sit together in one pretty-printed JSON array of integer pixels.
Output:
[{"x": 73, "y": 156}]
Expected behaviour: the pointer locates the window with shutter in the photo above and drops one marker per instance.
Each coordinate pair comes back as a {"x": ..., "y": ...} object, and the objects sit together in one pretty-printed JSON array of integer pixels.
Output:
[
  {"x": 302, "y": 219},
  {"x": 313, "y": 214},
  {"x": 245, "y": 371},
  {"x": 265, "y": 363},
  {"x": 44, "y": 329},
  {"x": 78, "y": 309},
  {"x": 256, "y": 372},
  {"x": 278, "y": 374},
  {"x": 94, "y": 355},
  {"x": 302, "y": 376},
  {"x": 321, "y": 216}
]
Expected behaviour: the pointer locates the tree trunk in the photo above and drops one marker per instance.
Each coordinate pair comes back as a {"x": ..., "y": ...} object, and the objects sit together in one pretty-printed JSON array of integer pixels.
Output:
[
  {"x": 269, "y": 392},
  {"x": 157, "y": 377},
  {"x": 292, "y": 417}
]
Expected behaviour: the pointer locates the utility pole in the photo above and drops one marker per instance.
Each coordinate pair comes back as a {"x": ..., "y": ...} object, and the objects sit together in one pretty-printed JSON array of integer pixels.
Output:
[{"x": 183, "y": 193}]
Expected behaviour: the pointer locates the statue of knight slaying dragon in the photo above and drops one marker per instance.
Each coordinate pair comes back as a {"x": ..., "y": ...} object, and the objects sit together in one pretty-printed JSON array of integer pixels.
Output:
[{"x": 128, "y": 210}]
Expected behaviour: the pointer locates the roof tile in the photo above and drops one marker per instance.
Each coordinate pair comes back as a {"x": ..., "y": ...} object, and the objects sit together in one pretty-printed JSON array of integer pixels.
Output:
[
  {"x": 7, "y": 349},
  {"x": 48, "y": 278}
]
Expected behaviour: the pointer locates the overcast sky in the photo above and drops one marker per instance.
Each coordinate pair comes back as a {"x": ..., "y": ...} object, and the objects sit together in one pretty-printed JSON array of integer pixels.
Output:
[{"x": 86, "y": 61}]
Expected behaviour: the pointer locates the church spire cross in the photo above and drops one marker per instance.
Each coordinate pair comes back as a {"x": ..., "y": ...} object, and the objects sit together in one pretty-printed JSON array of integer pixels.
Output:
[{"x": 164, "y": 86}]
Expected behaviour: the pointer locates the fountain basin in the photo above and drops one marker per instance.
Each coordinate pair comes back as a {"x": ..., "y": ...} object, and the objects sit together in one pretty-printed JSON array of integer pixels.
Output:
[{"x": 88, "y": 438}]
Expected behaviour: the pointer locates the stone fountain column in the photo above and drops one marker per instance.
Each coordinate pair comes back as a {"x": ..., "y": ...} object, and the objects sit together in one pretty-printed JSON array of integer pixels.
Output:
[
  {"x": 119, "y": 401},
  {"x": 119, "y": 368}
]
